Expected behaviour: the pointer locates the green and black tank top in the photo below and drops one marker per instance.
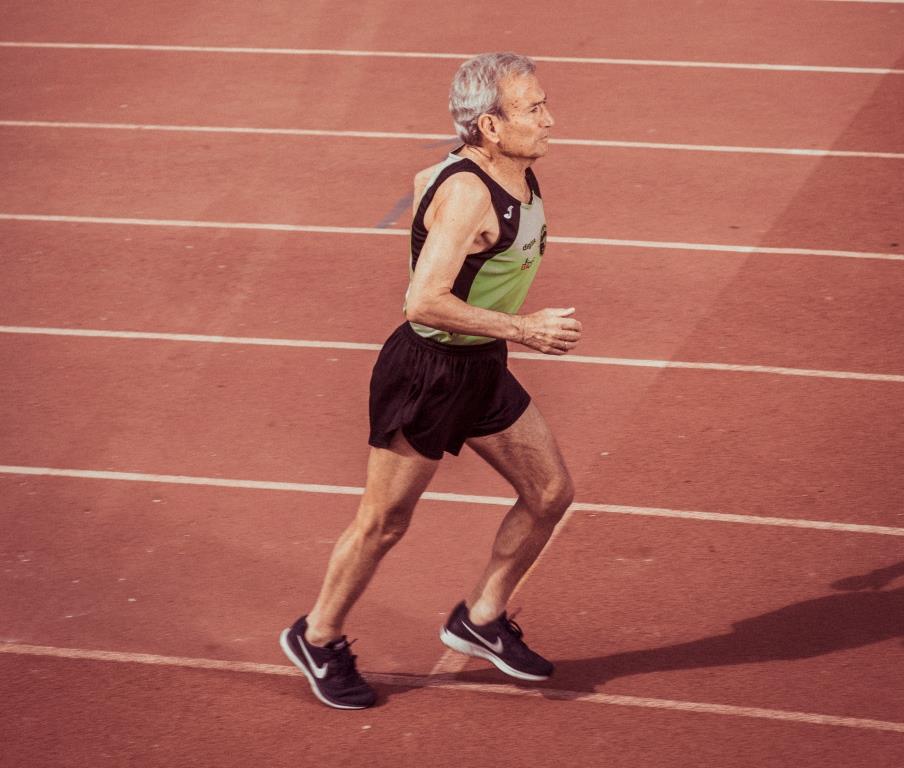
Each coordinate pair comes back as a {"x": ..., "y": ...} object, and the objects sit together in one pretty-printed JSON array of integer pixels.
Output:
[{"x": 497, "y": 278}]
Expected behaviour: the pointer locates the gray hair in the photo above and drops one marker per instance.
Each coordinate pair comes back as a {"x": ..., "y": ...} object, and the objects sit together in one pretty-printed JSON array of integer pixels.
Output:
[{"x": 475, "y": 90}]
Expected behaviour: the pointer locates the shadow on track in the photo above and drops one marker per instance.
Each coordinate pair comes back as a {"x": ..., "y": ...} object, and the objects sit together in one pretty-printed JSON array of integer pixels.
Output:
[{"x": 814, "y": 627}]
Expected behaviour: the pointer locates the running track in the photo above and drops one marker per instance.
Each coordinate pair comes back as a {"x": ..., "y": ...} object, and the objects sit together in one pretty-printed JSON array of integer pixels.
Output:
[{"x": 203, "y": 225}]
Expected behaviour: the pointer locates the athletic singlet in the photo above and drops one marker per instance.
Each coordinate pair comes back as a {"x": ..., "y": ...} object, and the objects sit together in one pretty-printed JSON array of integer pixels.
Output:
[{"x": 499, "y": 277}]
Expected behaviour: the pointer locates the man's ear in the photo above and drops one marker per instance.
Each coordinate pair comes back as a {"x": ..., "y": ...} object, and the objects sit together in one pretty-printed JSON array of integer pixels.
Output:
[{"x": 488, "y": 125}]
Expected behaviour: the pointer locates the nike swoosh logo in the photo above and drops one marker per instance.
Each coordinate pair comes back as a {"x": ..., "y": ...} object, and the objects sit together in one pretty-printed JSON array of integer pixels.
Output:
[
  {"x": 495, "y": 647},
  {"x": 319, "y": 672}
]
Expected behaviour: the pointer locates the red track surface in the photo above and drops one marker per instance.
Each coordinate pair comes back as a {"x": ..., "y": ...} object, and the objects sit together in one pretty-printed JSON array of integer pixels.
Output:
[
  {"x": 706, "y": 30},
  {"x": 671, "y": 613},
  {"x": 824, "y": 313},
  {"x": 682, "y": 439},
  {"x": 638, "y": 103},
  {"x": 642, "y": 194}
]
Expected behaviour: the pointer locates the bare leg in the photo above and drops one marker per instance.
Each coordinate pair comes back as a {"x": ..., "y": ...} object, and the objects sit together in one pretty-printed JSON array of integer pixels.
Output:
[
  {"x": 396, "y": 478},
  {"x": 526, "y": 454}
]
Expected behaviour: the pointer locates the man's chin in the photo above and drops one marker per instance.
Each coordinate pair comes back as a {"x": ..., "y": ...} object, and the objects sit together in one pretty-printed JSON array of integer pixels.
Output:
[{"x": 534, "y": 153}]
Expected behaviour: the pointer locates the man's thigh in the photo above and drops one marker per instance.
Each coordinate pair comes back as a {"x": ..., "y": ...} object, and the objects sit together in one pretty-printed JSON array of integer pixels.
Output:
[
  {"x": 396, "y": 476},
  {"x": 526, "y": 454}
]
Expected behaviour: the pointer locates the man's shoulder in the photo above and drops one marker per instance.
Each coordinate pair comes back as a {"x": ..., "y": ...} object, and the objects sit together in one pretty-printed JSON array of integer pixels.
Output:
[{"x": 461, "y": 183}]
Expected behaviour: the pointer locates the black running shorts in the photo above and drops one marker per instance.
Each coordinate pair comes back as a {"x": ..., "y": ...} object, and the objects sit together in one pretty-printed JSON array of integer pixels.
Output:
[{"x": 439, "y": 395}]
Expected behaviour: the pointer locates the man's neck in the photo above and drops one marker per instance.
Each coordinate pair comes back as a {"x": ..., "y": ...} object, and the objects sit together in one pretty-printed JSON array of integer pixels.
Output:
[{"x": 508, "y": 171}]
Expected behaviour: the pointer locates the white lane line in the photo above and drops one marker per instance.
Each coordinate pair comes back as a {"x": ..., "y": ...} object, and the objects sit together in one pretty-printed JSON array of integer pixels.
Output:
[
  {"x": 730, "y": 149},
  {"x": 601, "y": 241},
  {"x": 255, "y": 226},
  {"x": 427, "y": 681},
  {"x": 713, "y": 247},
  {"x": 602, "y": 143},
  {"x": 452, "y": 498},
  {"x": 232, "y": 129},
  {"x": 456, "y": 56},
  {"x": 725, "y": 367},
  {"x": 189, "y": 337},
  {"x": 351, "y": 345}
]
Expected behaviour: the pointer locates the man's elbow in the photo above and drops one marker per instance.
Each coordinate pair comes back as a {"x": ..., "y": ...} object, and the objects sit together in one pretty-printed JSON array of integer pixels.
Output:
[
  {"x": 428, "y": 307},
  {"x": 416, "y": 311},
  {"x": 419, "y": 306}
]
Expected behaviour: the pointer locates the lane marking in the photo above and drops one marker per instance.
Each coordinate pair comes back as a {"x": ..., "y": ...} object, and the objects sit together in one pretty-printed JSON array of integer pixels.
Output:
[
  {"x": 603, "y": 143},
  {"x": 426, "y": 681},
  {"x": 457, "y": 56},
  {"x": 255, "y": 226},
  {"x": 729, "y": 148},
  {"x": 190, "y": 337},
  {"x": 749, "y": 249},
  {"x": 601, "y": 241},
  {"x": 453, "y": 498},
  {"x": 725, "y": 367},
  {"x": 351, "y": 345}
]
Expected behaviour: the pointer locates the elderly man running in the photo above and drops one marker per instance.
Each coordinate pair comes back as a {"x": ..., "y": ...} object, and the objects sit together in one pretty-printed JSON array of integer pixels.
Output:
[{"x": 441, "y": 380}]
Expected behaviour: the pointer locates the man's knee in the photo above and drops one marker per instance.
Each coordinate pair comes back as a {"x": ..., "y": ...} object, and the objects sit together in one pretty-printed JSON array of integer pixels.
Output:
[
  {"x": 552, "y": 499},
  {"x": 383, "y": 527}
]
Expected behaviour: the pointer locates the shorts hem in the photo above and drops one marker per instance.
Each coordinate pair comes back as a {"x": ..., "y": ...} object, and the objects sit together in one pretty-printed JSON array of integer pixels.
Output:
[
  {"x": 516, "y": 414},
  {"x": 385, "y": 440},
  {"x": 432, "y": 455}
]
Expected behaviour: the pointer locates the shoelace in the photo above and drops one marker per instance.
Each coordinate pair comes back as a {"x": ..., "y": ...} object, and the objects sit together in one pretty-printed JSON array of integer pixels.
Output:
[
  {"x": 518, "y": 646},
  {"x": 512, "y": 626},
  {"x": 508, "y": 624},
  {"x": 342, "y": 660}
]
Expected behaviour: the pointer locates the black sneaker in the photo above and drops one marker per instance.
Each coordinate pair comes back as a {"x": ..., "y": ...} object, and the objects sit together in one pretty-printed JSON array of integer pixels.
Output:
[
  {"x": 330, "y": 670},
  {"x": 499, "y": 642}
]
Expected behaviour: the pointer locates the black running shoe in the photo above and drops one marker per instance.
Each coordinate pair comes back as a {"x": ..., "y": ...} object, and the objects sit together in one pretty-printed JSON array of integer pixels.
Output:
[
  {"x": 499, "y": 642},
  {"x": 330, "y": 670}
]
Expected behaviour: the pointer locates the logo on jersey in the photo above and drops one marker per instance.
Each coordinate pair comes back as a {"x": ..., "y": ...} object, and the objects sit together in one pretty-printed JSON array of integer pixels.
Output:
[
  {"x": 508, "y": 213},
  {"x": 529, "y": 261}
]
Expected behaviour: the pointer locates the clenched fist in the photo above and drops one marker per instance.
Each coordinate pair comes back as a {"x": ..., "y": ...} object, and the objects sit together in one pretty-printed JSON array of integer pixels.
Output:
[{"x": 551, "y": 331}]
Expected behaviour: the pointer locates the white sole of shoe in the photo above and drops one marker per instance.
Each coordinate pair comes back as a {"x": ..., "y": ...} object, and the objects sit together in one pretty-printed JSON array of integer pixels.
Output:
[
  {"x": 456, "y": 643},
  {"x": 290, "y": 653}
]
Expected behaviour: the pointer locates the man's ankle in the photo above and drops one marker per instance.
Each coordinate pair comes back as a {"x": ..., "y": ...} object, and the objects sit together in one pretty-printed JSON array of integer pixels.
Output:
[
  {"x": 478, "y": 614},
  {"x": 318, "y": 638}
]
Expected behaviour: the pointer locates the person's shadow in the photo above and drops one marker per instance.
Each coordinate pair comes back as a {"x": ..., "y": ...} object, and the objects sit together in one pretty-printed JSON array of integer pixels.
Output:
[{"x": 861, "y": 615}]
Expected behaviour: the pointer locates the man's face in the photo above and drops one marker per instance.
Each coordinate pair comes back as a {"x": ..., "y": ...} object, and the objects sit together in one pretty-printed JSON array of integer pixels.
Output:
[{"x": 524, "y": 132}]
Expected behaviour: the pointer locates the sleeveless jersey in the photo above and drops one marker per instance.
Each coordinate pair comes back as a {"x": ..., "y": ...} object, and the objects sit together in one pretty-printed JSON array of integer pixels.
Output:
[{"x": 497, "y": 278}]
